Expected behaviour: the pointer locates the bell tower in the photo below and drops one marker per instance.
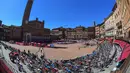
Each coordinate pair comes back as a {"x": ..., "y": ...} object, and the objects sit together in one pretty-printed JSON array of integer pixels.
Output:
[
  {"x": 26, "y": 16},
  {"x": 27, "y": 12}
]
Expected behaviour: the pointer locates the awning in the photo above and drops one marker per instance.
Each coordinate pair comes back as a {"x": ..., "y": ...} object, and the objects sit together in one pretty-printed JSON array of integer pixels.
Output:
[{"x": 125, "y": 47}]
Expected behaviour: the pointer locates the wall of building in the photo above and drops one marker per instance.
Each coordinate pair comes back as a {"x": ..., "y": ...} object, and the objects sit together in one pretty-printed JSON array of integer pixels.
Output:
[
  {"x": 15, "y": 33},
  {"x": 117, "y": 24},
  {"x": 1, "y": 33},
  {"x": 56, "y": 34},
  {"x": 4, "y": 33},
  {"x": 91, "y": 32},
  {"x": 102, "y": 30},
  {"x": 97, "y": 31},
  {"x": 117, "y": 21},
  {"x": 126, "y": 18},
  {"x": 109, "y": 26},
  {"x": 77, "y": 33}
]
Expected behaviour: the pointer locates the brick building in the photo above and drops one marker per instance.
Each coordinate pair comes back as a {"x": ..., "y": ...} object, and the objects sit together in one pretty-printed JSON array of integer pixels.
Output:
[
  {"x": 4, "y": 33},
  {"x": 35, "y": 28},
  {"x": 15, "y": 33},
  {"x": 91, "y": 32}
]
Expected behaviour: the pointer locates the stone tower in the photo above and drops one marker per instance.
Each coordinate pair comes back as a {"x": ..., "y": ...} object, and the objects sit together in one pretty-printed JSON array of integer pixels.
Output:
[
  {"x": 27, "y": 12},
  {"x": 26, "y": 17}
]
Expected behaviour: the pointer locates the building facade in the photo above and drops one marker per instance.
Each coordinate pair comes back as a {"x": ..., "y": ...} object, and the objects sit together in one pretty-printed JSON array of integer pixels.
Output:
[
  {"x": 1, "y": 33},
  {"x": 109, "y": 26},
  {"x": 97, "y": 31},
  {"x": 117, "y": 24},
  {"x": 36, "y": 30},
  {"x": 57, "y": 33},
  {"x": 4, "y": 33},
  {"x": 125, "y": 10},
  {"x": 77, "y": 33},
  {"x": 15, "y": 32},
  {"x": 80, "y": 32},
  {"x": 117, "y": 21},
  {"x": 91, "y": 32},
  {"x": 102, "y": 30}
]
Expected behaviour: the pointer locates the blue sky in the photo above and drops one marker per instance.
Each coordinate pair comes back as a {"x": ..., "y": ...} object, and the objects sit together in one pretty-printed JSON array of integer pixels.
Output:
[{"x": 56, "y": 13}]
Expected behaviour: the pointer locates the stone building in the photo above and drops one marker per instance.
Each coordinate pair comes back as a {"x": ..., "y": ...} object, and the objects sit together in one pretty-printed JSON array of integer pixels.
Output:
[
  {"x": 80, "y": 32},
  {"x": 91, "y": 32},
  {"x": 117, "y": 21},
  {"x": 102, "y": 30},
  {"x": 1, "y": 33},
  {"x": 15, "y": 33},
  {"x": 97, "y": 31},
  {"x": 77, "y": 33},
  {"x": 117, "y": 24},
  {"x": 58, "y": 33},
  {"x": 125, "y": 17},
  {"x": 4, "y": 33},
  {"x": 36, "y": 30},
  {"x": 109, "y": 26}
]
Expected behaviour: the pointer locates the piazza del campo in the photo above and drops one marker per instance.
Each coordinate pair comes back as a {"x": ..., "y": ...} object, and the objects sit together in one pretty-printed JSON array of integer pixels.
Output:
[{"x": 99, "y": 48}]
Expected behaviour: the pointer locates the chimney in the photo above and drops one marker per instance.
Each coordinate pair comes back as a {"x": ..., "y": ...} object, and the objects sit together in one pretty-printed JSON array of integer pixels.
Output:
[
  {"x": 94, "y": 23},
  {"x": 0, "y": 23},
  {"x": 36, "y": 19},
  {"x": 43, "y": 22}
]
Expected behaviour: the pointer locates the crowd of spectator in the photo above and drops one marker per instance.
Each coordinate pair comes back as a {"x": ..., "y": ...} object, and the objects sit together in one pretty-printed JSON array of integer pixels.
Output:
[{"x": 99, "y": 59}]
